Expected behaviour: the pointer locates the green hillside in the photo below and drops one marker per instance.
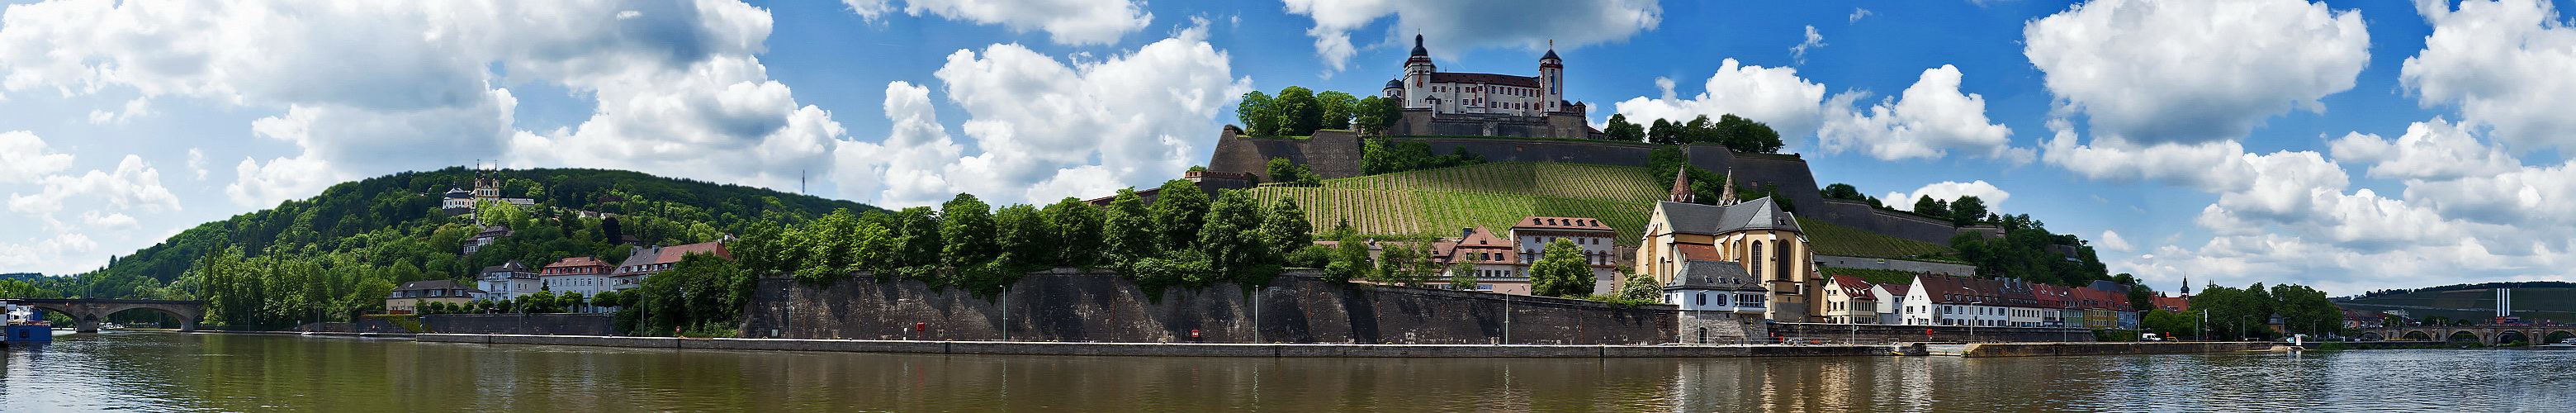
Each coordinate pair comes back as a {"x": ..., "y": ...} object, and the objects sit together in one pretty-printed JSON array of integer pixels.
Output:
[
  {"x": 1495, "y": 196},
  {"x": 1830, "y": 239},
  {"x": 2556, "y": 303},
  {"x": 338, "y": 250}
]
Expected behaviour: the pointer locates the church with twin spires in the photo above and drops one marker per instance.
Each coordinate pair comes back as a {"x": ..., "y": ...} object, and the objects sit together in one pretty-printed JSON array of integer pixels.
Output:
[{"x": 1486, "y": 104}]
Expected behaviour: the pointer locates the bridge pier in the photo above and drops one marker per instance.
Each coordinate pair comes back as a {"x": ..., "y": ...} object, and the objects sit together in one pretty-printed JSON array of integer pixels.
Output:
[{"x": 88, "y": 325}]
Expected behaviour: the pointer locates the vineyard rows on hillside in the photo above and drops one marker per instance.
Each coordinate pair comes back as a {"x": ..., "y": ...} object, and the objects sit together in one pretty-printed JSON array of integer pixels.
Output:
[{"x": 1437, "y": 203}]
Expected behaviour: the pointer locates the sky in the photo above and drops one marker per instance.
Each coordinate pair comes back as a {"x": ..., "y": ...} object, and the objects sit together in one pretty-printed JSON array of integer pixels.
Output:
[{"x": 2347, "y": 145}]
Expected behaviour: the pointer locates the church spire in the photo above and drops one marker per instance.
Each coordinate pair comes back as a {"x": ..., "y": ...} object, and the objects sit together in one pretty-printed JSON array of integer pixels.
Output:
[
  {"x": 1726, "y": 196},
  {"x": 1681, "y": 186}
]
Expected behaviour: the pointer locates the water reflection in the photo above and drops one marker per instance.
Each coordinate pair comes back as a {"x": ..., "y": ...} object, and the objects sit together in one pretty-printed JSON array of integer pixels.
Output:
[{"x": 204, "y": 372}]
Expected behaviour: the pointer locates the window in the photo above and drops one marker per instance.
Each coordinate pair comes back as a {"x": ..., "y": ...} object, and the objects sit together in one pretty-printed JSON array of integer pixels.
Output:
[{"x": 1701, "y": 298}]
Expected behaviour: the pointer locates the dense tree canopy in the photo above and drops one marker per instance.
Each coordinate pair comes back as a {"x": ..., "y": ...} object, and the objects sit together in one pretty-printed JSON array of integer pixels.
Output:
[
  {"x": 1298, "y": 111},
  {"x": 363, "y": 237},
  {"x": 1376, "y": 115},
  {"x": 1379, "y": 156},
  {"x": 1734, "y": 132},
  {"x": 1562, "y": 273}
]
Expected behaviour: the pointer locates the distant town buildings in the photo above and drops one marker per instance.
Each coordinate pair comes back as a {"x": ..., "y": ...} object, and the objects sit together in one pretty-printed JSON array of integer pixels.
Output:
[
  {"x": 644, "y": 262},
  {"x": 585, "y": 275},
  {"x": 508, "y": 281},
  {"x": 487, "y": 236},
  {"x": 487, "y": 187},
  {"x": 407, "y": 298}
]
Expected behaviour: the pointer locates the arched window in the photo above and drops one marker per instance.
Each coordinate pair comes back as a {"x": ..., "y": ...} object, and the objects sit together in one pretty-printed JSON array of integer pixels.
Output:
[{"x": 1757, "y": 259}]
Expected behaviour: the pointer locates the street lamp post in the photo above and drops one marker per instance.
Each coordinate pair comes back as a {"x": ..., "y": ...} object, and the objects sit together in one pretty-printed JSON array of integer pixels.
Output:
[{"x": 1972, "y": 321}]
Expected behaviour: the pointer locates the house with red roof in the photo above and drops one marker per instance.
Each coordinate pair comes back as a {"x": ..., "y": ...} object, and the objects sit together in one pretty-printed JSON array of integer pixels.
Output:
[
  {"x": 1849, "y": 300},
  {"x": 644, "y": 262},
  {"x": 585, "y": 275},
  {"x": 1533, "y": 234}
]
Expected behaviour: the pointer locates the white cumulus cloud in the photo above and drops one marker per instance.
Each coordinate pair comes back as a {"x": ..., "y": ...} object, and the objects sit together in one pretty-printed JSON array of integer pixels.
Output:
[
  {"x": 1044, "y": 128},
  {"x": 2505, "y": 64},
  {"x": 45, "y": 250},
  {"x": 1454, "y": 26},
  {"x": 668, "y": 77},
  {"x": 2111, "y": 240},
  {"x": 2435, "y": 150},
  {"x": 132, "y": 185},
  {"x": 24, "y": 157},
  {"x": 1065, "y": 21},
  {"x": 1772, "y": 95},
  {"x": 1928, "y": 120},
  {"x": 1950, "y": 191},
  {"x": 2194, "y": 70}
]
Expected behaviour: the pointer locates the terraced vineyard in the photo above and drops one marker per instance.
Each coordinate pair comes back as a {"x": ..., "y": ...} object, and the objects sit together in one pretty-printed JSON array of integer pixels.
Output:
[
  {"x": 1495, "y": 196},
  {"x": 1830, "y": 239}
]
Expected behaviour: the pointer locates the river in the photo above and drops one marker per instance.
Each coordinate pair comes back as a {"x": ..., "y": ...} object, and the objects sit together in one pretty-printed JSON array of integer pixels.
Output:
[{"x": 159, "y": 371}]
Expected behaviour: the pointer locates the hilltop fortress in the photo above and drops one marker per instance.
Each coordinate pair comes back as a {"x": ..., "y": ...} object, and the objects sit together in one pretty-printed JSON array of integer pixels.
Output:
[
  {"x": 1485, "y": 104},
  {"x": 1507, "y": 118}
]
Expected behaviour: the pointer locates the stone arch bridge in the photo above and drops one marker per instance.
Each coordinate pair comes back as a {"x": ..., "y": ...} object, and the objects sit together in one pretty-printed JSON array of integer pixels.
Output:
[
  {"x": 2497, "y": 334},
  {"x": 89, "y": 311}
]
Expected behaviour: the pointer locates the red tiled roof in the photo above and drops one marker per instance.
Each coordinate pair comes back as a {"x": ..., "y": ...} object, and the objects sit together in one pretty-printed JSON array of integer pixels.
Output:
[
  {"x": 1697, "y": 252},
  {"x": 578, "y": 262},
  {"x": 672, "y": 254},
  {"x": 1854, "y": 287},
  {"x": 1562, "y": 223},
  {"x": 1481, "y": 240},
  {"x": 2170, "y": 303}
]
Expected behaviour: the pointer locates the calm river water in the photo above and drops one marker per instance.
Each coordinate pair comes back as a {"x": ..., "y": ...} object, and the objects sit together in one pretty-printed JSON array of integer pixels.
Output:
[{"x": 151, "y": 371}]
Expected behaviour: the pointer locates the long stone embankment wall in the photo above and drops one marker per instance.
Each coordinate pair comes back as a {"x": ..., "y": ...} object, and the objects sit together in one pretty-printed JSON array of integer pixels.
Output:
[
  {"x": 555, "y": 324},
  {"x": 1173, "y": 349},
  {"x": 2096, "y": 349},
  {"x": 1910, "y": 333},
  {"x": 1099, "y": 306}
]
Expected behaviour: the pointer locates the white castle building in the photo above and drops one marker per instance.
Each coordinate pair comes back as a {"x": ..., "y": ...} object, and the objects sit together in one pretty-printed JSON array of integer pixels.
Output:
[{"x": 1486, "y": 104}]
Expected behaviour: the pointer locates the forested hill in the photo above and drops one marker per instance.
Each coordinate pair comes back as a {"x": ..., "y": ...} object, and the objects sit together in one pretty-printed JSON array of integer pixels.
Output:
[{"x": 390, "y": 227}]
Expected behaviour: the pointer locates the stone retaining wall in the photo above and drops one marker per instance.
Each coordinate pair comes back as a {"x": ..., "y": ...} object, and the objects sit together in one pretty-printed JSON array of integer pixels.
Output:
[
  {"x": 1907, "y": 333},
  {"x": 1067, "y": 305},
  {"x": 556, "y": 324}
]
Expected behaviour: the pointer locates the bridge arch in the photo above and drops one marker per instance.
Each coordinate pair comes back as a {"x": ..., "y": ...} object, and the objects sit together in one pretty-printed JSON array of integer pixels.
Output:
[
  {"x": 89, "y": 312},
  {"x": 2418, "y": 335},
  {"x": 2461, "y": 336},
  {"x": 2557, "y": 336},
  {"x": 2371, "y": 336},
  {"x": 2512, "y": 336}
]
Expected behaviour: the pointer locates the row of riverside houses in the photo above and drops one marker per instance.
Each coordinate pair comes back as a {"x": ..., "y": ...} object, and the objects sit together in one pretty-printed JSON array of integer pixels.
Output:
[
  {"x": 586, "y": 275},
  {"x": 1501, "y": 263},
  {"x": 1750, "y": 260}
]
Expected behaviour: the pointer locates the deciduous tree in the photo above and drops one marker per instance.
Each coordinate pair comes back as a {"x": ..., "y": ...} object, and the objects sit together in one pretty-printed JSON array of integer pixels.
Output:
[
  {"x": 1079, "y": 224},
  {"x": 1562, "y": 272}
]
